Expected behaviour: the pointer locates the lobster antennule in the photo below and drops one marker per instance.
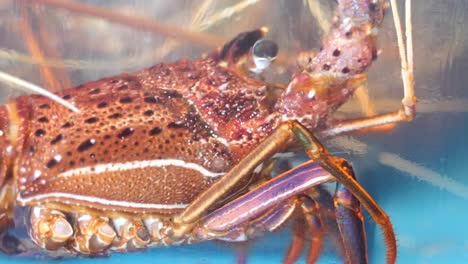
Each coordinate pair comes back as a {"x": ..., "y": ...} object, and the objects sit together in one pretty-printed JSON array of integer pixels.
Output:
[{"x": 27, "y": 86}]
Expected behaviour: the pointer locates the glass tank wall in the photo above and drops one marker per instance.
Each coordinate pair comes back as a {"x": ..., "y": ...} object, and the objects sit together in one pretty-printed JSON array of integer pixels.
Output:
[{"x": 417, "y": 171}]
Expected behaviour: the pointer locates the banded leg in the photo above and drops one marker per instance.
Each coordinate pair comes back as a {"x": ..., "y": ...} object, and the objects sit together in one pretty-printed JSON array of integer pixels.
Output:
[
  {"x": 276, "y": 142},
  {"x": 257, "y": 222},
  {"x": 351, "y": 223},
  {"x": 322, "y": 223},
  {"x": 285, "y": 188},
  {"x": 326, "y": 212}
]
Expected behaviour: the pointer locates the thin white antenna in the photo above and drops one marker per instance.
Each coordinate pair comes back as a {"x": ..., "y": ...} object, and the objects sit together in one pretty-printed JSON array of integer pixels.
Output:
[{"x": 29, "y": 87}]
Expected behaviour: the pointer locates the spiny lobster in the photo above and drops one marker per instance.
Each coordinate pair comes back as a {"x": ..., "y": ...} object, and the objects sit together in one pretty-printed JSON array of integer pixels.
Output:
[{"x": 183, "y": 152}]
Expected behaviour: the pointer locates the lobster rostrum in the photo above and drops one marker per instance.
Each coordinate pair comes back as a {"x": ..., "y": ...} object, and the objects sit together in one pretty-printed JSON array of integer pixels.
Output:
[{"x": 183, "y": 152}]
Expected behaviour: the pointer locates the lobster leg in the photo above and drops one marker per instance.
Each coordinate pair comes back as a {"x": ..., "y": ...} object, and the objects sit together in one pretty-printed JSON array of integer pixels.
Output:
[
  {"x": 273, "y": 144},
  {"x": 323, "y": 200},
  {"x": 270, "y": 220},
  {"x": 275, "y": 191},
  {"x": 292, "y": 183},
  {"x": 327, "y": 217},
  {"x": 312, "y": 222},
  {"x": 351, "y": 224},
  {"x": 297, "y": 244},
  {"x": 341, "y": 170}
]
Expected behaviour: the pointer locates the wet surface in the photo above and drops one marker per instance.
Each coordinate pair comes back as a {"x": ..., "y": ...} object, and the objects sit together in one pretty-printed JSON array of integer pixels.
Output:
[{"x": 417, "y": 172}]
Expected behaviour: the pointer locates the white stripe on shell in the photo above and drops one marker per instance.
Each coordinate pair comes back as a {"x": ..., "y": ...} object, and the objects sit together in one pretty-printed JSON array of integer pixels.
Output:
[
  {"x": 140, "y": 164},
  {"x": 96, "y": 200}
]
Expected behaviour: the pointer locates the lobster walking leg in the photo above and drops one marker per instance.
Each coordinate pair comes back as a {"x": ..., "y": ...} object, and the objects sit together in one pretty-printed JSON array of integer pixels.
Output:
[
  {"x": 311, "y": 222},
  {"x": 351, "y": 223},
  {"x": 293, "y": 183},
  {"x": 319, "y": 219},
  {"x": 274, "y": 143},
  {"x": 340, "y": 169},
  {"x": 297, "y": 244},
  {"x": 275, "y": 191},
  {"x": 327, "y": 217},
  {"x": 225, "y": 220}
]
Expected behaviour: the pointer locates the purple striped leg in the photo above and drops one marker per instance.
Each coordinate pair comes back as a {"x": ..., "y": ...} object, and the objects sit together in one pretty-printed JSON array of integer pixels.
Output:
[{"x": 272, "y": 204}]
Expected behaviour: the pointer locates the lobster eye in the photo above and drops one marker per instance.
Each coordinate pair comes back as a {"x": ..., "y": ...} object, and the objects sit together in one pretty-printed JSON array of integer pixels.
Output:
[
  {"x": 266, "y": 49},
  {"x": 264, "y": 53}
]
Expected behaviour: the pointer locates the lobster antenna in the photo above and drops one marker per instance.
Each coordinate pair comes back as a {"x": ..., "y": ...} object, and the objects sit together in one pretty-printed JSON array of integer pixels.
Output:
[{"x": 29, "y": 87}]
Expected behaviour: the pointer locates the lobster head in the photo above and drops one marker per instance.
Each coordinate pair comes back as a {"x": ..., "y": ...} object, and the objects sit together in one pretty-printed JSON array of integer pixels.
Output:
[{"x": 310, "y": 97}]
